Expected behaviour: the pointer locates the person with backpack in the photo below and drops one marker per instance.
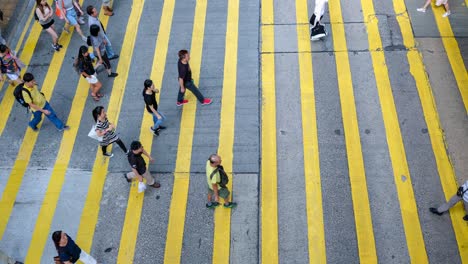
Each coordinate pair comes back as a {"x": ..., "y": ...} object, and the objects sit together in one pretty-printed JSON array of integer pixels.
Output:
[
  {"x": 29, "y": 96},
  {"x": 149, "y": 96},
  {"x": 99, "y": 44},
  {"x": 68, "y": 251},
  {"x": 138, "y": 164},
  {"x": 461, "y": 195},
  {"x": 84, "y": 65},
  {"x": 10, "y": 65},
  {"x": 217, "y": 180},
  {"x": 43, "y": 14}
]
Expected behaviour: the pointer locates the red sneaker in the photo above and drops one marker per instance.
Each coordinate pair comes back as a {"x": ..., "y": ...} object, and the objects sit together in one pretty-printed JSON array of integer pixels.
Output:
[
  {"x": 183, "y": 102},
  {"x": 207, "y": 101}
]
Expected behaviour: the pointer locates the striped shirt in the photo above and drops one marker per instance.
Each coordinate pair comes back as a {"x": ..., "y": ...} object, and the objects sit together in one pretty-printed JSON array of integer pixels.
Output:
[
  {"x": 110, "y": 136},
  {"x": 465, "y": 187}
]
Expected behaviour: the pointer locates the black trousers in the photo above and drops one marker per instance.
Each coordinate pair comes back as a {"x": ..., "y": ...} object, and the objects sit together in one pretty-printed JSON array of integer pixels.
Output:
[{"x": 119, "y": 142}]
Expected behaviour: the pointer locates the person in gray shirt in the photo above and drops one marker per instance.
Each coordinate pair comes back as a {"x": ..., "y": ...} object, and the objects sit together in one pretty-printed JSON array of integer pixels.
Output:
[
  {"x": 94, "y": 20},
  {"x": 99, "y": 45}
]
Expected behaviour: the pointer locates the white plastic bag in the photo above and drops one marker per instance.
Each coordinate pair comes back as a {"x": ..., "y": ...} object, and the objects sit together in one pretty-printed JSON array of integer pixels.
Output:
[
  {"x": 92, "y": 134},
  {"x": 141, "y": 187}
]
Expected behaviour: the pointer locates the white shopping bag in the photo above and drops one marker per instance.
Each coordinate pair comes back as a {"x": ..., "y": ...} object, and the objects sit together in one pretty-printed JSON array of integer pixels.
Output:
[
  {"x": 141, "y": 187},
  {"x": 92, "y": 134}
]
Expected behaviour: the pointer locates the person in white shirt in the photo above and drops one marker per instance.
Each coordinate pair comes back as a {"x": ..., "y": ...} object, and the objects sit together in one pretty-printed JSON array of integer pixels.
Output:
[
  {"x": 94, "y": 20},
  {"x": 317, "y": 30},
  {"x": 461, "y": 195}
]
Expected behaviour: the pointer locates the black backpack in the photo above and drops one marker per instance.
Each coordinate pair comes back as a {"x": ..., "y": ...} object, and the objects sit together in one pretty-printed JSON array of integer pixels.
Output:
[
  {"x": 224, "y": 180},
  {"x": 18, "y": 93}
]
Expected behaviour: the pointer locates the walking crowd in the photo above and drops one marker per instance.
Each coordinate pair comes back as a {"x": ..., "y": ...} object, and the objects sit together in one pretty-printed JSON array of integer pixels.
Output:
[{"x": 87, "y": 64}]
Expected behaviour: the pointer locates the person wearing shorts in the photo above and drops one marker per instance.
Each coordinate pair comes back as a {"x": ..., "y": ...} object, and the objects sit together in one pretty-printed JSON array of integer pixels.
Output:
[
  {"x": 213, "y": 179},
  {"x": 44, "y": 15},
  {"x": 9, "y": 65},
  {"x": 71, "y": 18},
  {"x": 106, "y": 5},
  {"x": 438, "y": 3},
  {"x": 84, "y": 65}
]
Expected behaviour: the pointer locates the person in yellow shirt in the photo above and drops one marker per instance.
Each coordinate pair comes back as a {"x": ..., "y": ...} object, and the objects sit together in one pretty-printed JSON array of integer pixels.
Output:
[
  {"x": 215, "y": 188},
  {"x": 39, "y": 105}
]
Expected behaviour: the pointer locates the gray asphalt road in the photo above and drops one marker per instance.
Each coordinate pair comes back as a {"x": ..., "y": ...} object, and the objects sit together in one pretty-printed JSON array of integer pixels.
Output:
[{"x": 342, "y": 245}]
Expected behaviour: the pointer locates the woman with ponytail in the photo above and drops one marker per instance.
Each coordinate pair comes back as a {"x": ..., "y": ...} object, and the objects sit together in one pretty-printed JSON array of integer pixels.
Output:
[{"x": 106, "y": 130}]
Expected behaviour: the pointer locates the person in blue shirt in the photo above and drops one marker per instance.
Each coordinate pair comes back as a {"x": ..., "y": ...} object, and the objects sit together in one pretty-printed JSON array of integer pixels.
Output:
[{"x": 68, "y": 251}]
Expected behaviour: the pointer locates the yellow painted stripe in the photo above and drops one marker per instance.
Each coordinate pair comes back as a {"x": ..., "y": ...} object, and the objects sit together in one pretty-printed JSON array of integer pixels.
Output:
[
  {"x": 49, "y": 204},
  {"x": 357, "y": 174},
  {"x": 135, "y": 200},
  {"x": 222, "y": 217},
  {"x": 269, "y": 194},
  {"x": 444, "y": 167},
  {"x": 409, "y": 211},
  {"x": 91, "y": 208},
  {"x": 453, "y": 53},
  {"x": 25, "y": 56},
  {"x": 175, "y": 228},
  {"x": 29, "y": 140},
  {"x": 313, "y": 189}
]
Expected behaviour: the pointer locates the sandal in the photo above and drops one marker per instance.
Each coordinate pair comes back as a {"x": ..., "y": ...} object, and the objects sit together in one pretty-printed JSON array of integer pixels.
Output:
[
  {"x": 100, "y": 95},
  {"x": 95, "y": 98}
]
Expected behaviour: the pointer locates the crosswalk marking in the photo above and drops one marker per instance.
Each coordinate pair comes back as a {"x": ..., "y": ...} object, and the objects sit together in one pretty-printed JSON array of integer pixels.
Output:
[
  {"x": 91, "y": 208},
  {"x": 312, "y": 179},
  {"x": 175, "y": 227},
  {"x": 26, "y": 54},
  {"x": 27, "y": 145},
  {"x": 444, "y": 167},
  {"x": 357, "y": 175},
  {"x": 409, "y": 212},
  {"x": 222, "y": 217},
  {"x": 453, "y": 53},
  {"x": 135, "y": 200},
  {"x": 269, "y": 193},
  {"x": 49, "y": 204}
]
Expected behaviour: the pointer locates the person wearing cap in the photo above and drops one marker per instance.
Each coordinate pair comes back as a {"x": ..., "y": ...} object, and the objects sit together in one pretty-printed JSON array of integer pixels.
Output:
[
  {"x": 213, "y": 177},
  {"x": 138, "y": 165},
  {"x": 461, "y": 195}
]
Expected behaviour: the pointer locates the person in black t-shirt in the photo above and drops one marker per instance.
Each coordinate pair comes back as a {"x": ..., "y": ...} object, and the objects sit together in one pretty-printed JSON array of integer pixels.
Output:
[
  {"x": 84, "y": 65},
  {"x": 186, "y": 82},
  {"x": 149, "y": 95},
  {"x": 138, "y": 165},
  {"x": 68, "y": 251}
]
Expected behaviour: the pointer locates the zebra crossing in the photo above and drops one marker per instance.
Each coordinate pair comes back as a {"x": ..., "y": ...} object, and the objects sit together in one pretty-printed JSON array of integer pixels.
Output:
[{"x": 319, "y": 137}]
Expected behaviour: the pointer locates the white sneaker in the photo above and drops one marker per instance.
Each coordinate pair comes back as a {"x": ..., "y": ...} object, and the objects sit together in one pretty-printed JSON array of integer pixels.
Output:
[
  {"x": 81, "y": 21},
  {"x": 423, "y": 10},
  {"x": 446, "y": 14}
]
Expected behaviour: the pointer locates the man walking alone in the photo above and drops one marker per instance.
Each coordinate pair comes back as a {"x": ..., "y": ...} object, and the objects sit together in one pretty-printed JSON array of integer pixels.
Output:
[
  {"x": 216, "y": 186},
  {"x": 186, "y": 81},
  {"x": 39, "y": 105},
  {"x": 138, "y": 165},
  {"x": 461, "y": 195}
]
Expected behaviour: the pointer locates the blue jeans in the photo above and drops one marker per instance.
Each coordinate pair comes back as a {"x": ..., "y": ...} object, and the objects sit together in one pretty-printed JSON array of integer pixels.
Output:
[
  {"x": 158, "y": 122},
  {"x": 52, "y": 117},
  {"x": 191, "y": 87},
  {"x": 110, "y": 52}
]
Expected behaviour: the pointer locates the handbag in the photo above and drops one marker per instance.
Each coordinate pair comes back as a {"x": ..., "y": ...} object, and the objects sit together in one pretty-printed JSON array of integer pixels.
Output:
[
  {"x": 141, "y": 187},
  {"x": 92, "y": 134}
]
